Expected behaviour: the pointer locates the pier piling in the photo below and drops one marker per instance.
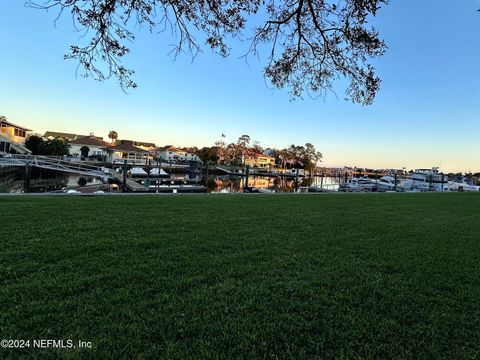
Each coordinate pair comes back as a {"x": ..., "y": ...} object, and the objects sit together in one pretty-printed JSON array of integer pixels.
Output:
[
  {"x": 28, "y": 172},
  {"x": 125, "y": 176}
]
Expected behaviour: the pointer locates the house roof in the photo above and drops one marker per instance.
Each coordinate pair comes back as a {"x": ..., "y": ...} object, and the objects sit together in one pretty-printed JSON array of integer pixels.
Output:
[
  {"x": 136, "y": 143},
  {"x": 254, "y": 154},
  {"x": 90, "y": 141},
  {"x": 167, "y": 147},
  {"x": 67, "y": 136},
  {"x": 125, "y": 147},
  {"x": 174, "y": 148},
  {"x": 3, "y": 121},
  {"x": 141, "y": 143},
  {"x": 189, "y": 150}
]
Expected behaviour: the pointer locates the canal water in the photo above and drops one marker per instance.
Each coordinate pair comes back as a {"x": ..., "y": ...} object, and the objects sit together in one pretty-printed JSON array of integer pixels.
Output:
[
  {"x": 232, "y": 184},
  {"x": 12, "y": 181}
]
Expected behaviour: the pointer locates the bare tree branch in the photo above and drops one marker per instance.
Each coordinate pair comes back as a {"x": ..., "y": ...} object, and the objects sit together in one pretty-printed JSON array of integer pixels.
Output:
[{"x": 312, "y": 42}]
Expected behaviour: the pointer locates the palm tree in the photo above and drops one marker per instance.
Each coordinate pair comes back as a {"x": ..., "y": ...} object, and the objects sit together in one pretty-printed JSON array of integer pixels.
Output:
[{"x": 113, "y": 135}]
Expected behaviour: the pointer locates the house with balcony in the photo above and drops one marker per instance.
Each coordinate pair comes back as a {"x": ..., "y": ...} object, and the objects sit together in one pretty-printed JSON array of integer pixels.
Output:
[{"x": 255, "y": 159}]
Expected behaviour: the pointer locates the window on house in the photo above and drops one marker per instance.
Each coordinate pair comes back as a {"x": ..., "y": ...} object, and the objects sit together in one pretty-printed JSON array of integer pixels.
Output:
[{"x": 19, "y": 132}]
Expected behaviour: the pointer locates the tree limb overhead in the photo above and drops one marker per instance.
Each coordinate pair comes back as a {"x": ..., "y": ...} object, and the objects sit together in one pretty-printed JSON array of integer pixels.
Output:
[{"x": 312, "y": 42}]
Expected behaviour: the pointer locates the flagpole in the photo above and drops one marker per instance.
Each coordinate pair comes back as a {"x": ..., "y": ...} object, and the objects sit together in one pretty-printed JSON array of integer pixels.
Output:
[{"x": 222, "y": 147}]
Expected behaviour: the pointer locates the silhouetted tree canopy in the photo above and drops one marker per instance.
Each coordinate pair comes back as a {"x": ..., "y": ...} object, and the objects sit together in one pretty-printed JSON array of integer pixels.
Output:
[
  {"x": 311, "y": 42},
  {"x": 207, "y": 154},
  {"x": 35, "y": 144},
  {"x": 38, "y": 146}
]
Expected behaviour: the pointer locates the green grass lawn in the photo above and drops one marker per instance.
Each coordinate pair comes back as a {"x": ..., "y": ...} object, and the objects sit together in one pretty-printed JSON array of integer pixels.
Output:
[{"x": 379, "y": 276}]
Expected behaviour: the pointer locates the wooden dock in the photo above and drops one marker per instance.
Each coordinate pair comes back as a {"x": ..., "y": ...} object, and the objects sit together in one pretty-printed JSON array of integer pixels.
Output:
[
  {"x": 131, "y": 184},
  {"x": 134, "y": 186},
  {"x": 255, "y": 172}
]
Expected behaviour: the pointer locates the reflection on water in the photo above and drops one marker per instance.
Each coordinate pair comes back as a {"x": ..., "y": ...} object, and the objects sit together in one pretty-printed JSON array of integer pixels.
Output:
[
  {"x": 75, "y": 180},
  {"x": 326, "y": 182},
  {"x": 13, "y": 180},
  {"x": 233, "y": 184}
]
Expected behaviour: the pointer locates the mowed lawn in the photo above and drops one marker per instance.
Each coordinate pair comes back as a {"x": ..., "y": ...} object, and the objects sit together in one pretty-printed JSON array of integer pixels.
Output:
[{"x": 366, "y": 276}]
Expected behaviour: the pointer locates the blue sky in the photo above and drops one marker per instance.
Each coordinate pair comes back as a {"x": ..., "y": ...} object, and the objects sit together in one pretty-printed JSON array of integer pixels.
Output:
[{"x": 426, "y": 113}]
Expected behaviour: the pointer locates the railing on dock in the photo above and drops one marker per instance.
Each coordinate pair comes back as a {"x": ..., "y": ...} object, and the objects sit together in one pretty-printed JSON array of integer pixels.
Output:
[{"x": 55, "y": 163}]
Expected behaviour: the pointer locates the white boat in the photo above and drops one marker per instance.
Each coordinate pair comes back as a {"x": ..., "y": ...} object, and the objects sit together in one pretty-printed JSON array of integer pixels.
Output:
[
  {"x": 137, "y": 171},
  {"x": 360, "y": 184},
  {"x": 388, "y": 183},
  {"x": 140, "y": 172},
  {"x": 157, "y": 172},
  {"x": 462, "y": 184},
  {"x": 427, "y": 180}
]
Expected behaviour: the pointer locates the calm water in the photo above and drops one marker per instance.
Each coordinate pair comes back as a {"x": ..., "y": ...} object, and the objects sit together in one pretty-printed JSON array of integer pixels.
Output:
[
  {"x": 227, "y": 184},
  {"x": 41, "y": 181},
  {"x": 76, "y": 181}
]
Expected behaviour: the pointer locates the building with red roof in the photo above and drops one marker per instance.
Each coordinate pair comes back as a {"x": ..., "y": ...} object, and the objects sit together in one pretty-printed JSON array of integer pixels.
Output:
[{"x": 88, "y": 146}]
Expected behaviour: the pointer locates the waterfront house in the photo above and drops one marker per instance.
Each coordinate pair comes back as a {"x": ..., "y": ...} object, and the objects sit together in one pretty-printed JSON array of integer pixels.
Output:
[
  {"x": 190, "y": 154},
  {"x": 125, "y": 150},
  {"x": 88, "y": 146},
  {"x": 16, "y": 133},
  {"x": 172, "y": 153},
  {"x": 256, "y": 159}
]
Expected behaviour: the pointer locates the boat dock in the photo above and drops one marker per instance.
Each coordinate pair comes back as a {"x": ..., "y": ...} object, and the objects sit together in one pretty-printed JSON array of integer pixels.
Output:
[
  {"x": 255, "y": 172},
  {"x": 134, "y": 186},
  {"x": 131, "y": 184}
]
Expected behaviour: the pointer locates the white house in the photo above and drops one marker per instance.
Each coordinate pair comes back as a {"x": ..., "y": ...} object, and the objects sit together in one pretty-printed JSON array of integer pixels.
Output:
[
  {"x": 88, "y": 146},
  {"x": 125, "y": 150},
  {"x": 172, "y": 153}
]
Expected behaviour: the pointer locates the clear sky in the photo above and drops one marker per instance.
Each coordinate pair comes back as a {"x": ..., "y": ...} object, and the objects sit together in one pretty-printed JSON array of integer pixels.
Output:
[{"x": 426, "y": 113}]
